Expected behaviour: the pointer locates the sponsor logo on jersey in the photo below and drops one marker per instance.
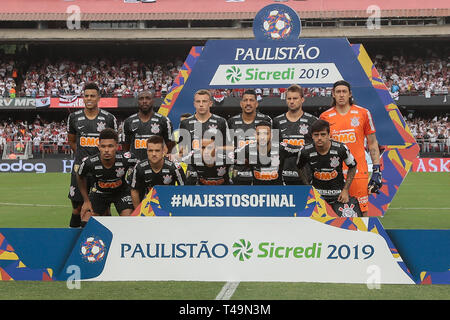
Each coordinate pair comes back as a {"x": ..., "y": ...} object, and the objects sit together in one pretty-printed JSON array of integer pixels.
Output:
[
  {"x": 325, "y": 176},
  {"x": 89, "y": 141},
  {"x": 345, "y": 137},
  {"x": 266, "y": 175},
  {"x": 140, "y": 143},
  {"x": 110, "y": 184},
  {"x": 295, "y": 142},
  {"x": 211, "y": 182},
  {"x": 246, "y": 142}
]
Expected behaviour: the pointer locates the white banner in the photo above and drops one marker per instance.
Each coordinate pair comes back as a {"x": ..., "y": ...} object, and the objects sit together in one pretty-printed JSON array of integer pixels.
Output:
[
  {"x": 271, "y": 74},
  {"x": 246, "y": 249}
]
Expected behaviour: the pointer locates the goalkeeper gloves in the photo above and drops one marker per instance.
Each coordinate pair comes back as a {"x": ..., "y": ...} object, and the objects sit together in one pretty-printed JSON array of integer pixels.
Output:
[{"x": 375, "y": 182}]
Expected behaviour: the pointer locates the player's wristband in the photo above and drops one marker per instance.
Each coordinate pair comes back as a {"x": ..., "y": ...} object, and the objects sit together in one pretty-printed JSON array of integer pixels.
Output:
[{"x": 376, "y": 168}]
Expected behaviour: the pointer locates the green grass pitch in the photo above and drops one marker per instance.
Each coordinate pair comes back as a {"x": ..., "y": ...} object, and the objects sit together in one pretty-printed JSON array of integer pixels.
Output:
[{"x": 40, "y": 201}]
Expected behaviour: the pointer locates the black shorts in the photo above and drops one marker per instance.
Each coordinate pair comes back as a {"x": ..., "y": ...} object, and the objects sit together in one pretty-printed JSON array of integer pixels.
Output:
[
  {"x": 290, "y": 172},
  {"x": 101, "y": 202},
  {"x": 74, "y": 192},
  {"x": 350, "y": 209}
]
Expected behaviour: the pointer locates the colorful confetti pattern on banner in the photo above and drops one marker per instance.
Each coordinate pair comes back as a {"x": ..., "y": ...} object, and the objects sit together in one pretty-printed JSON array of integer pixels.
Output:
[
  {"x": 12, "y": 268},
  {"x": 396, "y": 160},
  {"x": 179, "y": 81},
  {"x": 367, "y": 225},
  {"x": 150, "y": 206}
]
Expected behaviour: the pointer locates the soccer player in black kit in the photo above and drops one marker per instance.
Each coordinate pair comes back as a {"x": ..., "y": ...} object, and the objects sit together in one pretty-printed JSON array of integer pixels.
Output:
[
  {"x": 265, "y": 158},
  {"x": 325, "y": 158},
  {"x": 155, "y": 170},
  {"x": 212, "y": 170},
  {"x": 109, "y": 169},
  {"x": 138, "y": 127},
  {"x": 203, "y": 125},
  {"x": 84, "y": 127},
  {"x": 293, "y": 129},
  {"x": 243, "y": 131}
]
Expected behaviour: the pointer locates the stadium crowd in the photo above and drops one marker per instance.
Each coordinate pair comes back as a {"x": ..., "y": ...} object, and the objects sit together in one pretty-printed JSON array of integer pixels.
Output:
[
  {"x": 8, "y": 77},
  {"x": 415, "y": 75},
  {"x": 432, "y": 135},
  {"x": 123, "y": 77},
  {"x": 404, "y": 74}
]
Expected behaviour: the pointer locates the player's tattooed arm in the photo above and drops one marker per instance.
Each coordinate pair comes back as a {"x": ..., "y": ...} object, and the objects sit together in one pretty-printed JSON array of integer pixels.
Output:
[
  {"x": 86, "y": 208},
  {"x": 72, "y": 139},
  {"x": 374, "y": 151},
  {"x": 344, "y": 195}
]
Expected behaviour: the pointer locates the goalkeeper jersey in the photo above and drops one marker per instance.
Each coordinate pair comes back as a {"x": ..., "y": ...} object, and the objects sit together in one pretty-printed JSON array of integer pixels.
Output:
[{"x": 352, "y": 128}]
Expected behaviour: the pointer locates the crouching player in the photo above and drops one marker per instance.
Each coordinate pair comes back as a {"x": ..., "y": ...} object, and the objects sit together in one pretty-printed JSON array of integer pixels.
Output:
[
  {"x": 326, "y": 158},
  {"x": 108, "y": 169},
  {"x": 155, "y": 170},
  {"x": 213, "y": 169}
]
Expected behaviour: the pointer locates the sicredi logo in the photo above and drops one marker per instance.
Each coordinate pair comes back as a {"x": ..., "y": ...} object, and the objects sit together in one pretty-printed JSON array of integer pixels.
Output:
[
  {"x": 242, "y": 250},
  {"x": 21, "y": 166},
  {"x": 272, "y": 74}
]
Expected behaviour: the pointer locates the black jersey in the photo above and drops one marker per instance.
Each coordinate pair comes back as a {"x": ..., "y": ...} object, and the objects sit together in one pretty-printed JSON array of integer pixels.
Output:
[
  {"x": 137, "y": 132},
  {"x": 87, "y": 131},
  {"x": 108, "y": 180},
  {"x": 266, "y": 168},
  {"x": 295, "y": 135},
  {"x": 193, "y": 131},
  {"x": 144, "y": 177},
  {"x": 204, "y": 175},
  {"x": 201, "y": 174},
  {"x": 327, "y": 176},
  {"x": 240, "y": 130}
]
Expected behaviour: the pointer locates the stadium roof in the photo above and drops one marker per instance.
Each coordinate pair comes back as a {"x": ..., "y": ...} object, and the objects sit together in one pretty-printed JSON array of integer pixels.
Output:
[{"x": 109, "y": 10}]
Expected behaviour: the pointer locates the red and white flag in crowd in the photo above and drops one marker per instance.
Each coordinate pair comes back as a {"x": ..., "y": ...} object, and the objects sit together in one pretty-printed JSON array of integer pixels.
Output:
[{"x": 43, "y": 102}]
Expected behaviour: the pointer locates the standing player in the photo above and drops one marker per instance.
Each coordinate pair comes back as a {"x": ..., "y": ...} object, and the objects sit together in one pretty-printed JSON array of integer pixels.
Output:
[
  {"x": 84, "y": 127},
  {"x": 155, "y": 170},
  {"x": 109, "y": 169},
  {"x": 326, "y": 157},
  {"x": 353, "y": 125},
  {"x": 203, "y": 125},
  {"x": 243, "y": 127},
  {"x": 138, "y": 127},
  {"x": 293, "y": 129}
]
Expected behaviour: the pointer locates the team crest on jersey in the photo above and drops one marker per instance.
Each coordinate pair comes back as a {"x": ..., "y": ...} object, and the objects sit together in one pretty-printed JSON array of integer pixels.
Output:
[
  {"x": 212, "y": 128},
  {"x": 354, "y": 122},
  {"x": 334, "y": 162},
  {"x": 101, "y": 126},
  {"x": 120, "y": 172},
  {"x": 347, "y": 211},
  {"x": 303, "y": 129},
  {"x": 221, "y": 171},
  {"x": 155, "y": 128},
  {"x": 167, "y": 179}
]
